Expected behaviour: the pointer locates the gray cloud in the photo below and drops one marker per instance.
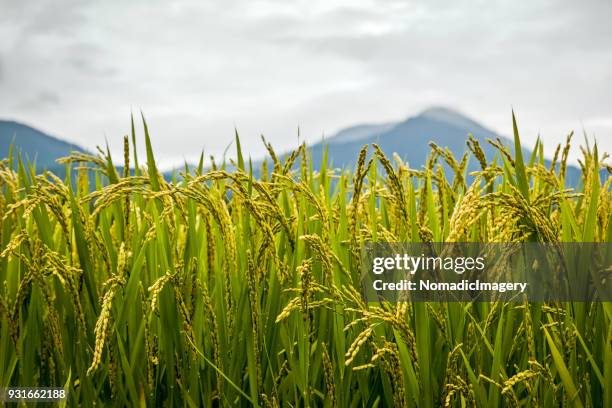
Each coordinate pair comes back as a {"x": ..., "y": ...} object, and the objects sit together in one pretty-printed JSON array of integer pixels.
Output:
[
  {"x": 88, "y": 59},
  {"x": 199, "y": 68},
  {"x": 40, "y": 102}
]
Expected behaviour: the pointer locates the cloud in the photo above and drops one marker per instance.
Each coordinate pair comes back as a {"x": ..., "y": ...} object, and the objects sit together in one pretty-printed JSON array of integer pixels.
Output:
[
  {"x": 40, "y": 101},
  {"x": 87, "y": 59},
  {"x": 199, "y": 68}
]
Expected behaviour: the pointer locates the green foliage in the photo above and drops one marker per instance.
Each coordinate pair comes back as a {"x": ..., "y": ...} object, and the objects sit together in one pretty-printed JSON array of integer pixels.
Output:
[{"x": 225, "y": 290}]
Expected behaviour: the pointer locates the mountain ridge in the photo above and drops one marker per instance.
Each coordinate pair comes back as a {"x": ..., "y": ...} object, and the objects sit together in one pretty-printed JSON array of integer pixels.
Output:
[
  {"x": 409, "y": 138},
  {"x": 34, "y": 144}
]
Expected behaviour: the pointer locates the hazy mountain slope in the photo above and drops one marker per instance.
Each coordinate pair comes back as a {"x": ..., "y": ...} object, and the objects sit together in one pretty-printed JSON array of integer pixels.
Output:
[
  {"x": 410, "y": 140},
  {"x": 360, "y": 132},
  {"x": 33, "y": 144}
]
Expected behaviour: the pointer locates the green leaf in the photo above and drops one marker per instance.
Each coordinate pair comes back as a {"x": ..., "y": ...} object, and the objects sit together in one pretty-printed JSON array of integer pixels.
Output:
[
  {"x": 133, "y": 132},
  {"x": 590, "y": 223},
  {"x": 521, "y": 174},
  {"x": 151, "y": 166},
  {"x": 239, "y": 152},
  {"x": 566, "y": 377}
]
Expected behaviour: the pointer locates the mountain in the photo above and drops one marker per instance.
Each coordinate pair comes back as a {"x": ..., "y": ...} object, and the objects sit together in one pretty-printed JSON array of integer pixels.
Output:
[
  {"x": 33, "y": 144},
  {"x": 409, "y": 138},
  {"x": 360, "y": 132}
]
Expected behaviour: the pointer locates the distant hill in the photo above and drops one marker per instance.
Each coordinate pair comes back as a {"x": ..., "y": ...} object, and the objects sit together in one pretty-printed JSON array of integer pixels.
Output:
[
  {"x": 360, "y": 133},
  {"x": 33, "y": 144},
  {"x": 410, "y": 139}
]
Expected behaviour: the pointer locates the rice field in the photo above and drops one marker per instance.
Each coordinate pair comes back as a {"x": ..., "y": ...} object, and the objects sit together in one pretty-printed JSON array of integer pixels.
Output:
[{"x": 223, "y": 289}]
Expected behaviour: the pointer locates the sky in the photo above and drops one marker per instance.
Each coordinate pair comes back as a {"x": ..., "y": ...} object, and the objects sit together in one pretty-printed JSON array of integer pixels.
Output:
[{"x": 200, "y": 69}]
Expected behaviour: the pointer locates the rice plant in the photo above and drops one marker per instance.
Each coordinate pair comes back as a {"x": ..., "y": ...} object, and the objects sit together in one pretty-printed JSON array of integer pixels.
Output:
[{"x": 219, "y": 288}]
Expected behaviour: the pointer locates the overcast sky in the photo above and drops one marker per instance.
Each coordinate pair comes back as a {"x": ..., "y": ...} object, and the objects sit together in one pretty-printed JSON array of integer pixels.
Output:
[{"x": 199, "y": 68}]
